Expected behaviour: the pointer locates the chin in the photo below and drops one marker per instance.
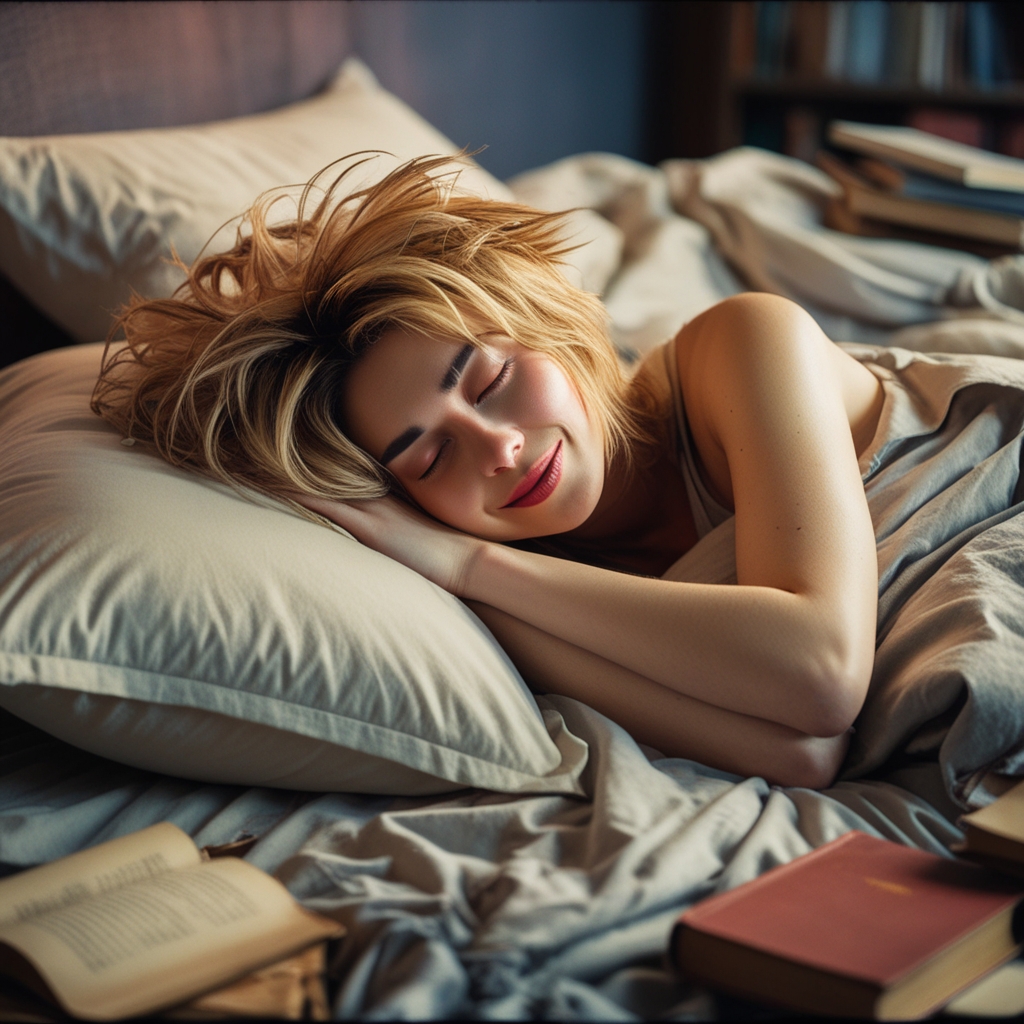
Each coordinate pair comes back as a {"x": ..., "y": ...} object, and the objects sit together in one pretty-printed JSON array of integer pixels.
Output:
[
  {"x": 553, "y": 524},
  {"x": 505, "y": 530},
  {"x": 561, "y": 513}
]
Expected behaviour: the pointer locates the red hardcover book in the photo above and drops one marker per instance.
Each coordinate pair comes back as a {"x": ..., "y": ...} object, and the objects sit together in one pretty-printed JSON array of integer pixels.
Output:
[{"x": 860, "y": 927}]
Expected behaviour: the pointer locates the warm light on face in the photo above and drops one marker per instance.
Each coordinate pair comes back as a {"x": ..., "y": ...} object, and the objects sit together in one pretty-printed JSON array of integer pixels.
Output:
[{"x": 492, "y": 440}]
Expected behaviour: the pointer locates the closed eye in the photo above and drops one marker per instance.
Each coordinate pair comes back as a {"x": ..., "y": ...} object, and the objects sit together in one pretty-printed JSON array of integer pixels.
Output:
[
  {"x": 495, "y": 386},
  {"x": 437, "y": 459},
  {"x": 499, "y": 381}
]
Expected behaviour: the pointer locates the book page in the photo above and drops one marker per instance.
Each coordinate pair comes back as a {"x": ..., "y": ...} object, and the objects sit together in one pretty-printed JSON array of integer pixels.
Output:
[
  {"x": 1004, "y": 817},
  {"x": 165, "y": 939},
  {"x": 143, "y": 854}
]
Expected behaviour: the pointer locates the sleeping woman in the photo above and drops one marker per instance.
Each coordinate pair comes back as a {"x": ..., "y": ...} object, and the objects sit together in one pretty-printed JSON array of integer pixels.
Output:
[{"x": 412, "y": 364}]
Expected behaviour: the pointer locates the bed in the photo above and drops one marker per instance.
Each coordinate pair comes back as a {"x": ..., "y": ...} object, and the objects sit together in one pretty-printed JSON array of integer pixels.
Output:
[{"x": 477, "y": 878}]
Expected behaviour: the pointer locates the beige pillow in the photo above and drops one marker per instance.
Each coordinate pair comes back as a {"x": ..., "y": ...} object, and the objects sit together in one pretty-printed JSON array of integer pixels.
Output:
[
  {"x": 159, "y": 619},
  {"x": 84, "y": 219}
]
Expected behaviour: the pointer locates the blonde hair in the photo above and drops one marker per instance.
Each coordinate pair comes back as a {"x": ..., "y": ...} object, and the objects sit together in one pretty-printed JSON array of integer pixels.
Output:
[{"x": 239, "y": 375}]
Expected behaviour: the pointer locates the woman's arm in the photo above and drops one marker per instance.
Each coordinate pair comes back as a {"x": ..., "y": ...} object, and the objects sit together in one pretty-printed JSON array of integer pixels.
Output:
[
  {"x": 677, "y": 725},
  {"x": 793, "y": 643}
]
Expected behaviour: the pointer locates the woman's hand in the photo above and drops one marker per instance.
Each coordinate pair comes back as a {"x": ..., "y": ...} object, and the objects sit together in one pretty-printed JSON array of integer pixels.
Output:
[{"x": 397, "y": 530}]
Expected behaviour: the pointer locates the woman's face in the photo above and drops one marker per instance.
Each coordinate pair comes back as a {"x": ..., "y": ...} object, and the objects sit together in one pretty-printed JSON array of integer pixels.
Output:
[{"x": 493, "y": 441}]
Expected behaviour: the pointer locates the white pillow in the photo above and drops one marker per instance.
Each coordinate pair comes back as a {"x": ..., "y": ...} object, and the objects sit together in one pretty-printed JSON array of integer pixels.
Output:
[
  {"x": 84, "y": 219},
  {"x": 159, "y": 619}
]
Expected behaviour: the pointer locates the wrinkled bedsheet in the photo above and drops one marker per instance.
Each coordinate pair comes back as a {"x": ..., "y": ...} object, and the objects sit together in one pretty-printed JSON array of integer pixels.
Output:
[
  {"x": 661, "y": 244},
  {"x": 480, "y": 905},
  {"x": 487, "y": 906}
]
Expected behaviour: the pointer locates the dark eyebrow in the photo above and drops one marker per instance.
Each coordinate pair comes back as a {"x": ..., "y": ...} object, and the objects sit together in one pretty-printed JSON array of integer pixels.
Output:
[
  {"x": 451, "y": 378},
  {"x": 399, "y": 444}
]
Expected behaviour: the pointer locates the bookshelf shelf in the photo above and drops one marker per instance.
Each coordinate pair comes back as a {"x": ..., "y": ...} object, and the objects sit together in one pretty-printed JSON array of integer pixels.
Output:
[
  {"x": 812, "y": 89},
  {"x": 720, "y": 84}
]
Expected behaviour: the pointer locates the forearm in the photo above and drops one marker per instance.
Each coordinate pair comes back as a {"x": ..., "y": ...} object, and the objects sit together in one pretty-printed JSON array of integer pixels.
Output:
[
  {"x": 759, "y": 651},
  {"x": 673, "y": 723}
]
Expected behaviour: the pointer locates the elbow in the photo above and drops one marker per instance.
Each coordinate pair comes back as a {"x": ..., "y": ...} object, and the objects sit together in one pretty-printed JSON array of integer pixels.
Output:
[
  {"x": 835, "y": 690},
  {"x": 812, "y": 762}
]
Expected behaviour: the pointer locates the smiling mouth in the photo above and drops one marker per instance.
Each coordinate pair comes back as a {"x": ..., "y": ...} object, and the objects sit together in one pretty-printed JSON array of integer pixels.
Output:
[{"x": 540, "y": 481}]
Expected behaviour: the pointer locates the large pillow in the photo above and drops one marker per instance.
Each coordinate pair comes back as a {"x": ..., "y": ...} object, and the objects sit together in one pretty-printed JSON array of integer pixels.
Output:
[
  {"x": 84, "y": 219},
  {"x": 162, "y": 620}
]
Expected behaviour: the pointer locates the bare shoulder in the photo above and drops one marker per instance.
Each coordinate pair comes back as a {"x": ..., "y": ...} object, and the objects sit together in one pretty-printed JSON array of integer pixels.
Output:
[
  {"x": 765, "y": 345},
  {"x": 743, "y": 333}
]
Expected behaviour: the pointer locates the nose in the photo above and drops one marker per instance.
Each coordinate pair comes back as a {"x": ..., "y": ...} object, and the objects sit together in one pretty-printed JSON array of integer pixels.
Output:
[{"x": 499, "y": 448}]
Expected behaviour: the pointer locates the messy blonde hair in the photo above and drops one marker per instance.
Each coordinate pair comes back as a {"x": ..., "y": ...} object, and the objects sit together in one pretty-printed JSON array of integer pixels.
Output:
[{"x": 239, "y": 375}]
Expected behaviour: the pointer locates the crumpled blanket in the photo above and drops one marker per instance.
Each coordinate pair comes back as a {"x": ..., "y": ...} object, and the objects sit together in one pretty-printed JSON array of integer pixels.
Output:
[
  {"x": 482, "y": 905},
  {"x": 661, "y": 244},
  {"x": 944, "y": 488}
]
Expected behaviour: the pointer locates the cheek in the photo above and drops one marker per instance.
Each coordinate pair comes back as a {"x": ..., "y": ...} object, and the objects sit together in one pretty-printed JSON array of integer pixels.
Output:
[
  {"x": 546, "y": 396},
  {"x": 457, "y": 503}
]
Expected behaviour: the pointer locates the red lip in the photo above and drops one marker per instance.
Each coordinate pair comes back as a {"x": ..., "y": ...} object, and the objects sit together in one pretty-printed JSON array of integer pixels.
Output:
[{"x": 540, "y": 480}]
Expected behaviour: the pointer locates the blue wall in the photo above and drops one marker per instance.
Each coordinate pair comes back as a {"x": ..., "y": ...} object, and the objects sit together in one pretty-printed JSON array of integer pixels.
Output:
[{"x": 533, "y": 80}]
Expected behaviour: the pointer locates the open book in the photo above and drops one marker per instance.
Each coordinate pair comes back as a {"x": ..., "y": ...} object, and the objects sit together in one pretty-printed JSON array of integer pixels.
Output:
[{"x": 145, "y": 922}]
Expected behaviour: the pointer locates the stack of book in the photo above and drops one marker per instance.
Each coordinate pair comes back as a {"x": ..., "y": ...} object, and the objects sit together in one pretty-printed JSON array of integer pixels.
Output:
[
  {"x": 899, "y": 45},
  {"x": 866, "y": 928},
  {"x": 908, "y": 183}
]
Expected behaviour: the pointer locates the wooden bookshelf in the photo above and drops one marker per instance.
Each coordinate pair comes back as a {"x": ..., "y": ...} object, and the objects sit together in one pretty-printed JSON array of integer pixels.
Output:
[
  {"x": 813, "y": 89},
  {"x": 702, "y": 103}
]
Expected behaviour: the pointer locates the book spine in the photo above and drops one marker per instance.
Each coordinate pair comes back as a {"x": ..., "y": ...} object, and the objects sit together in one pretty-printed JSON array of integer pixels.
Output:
[
  {"x": 802, "y": 128},
  {"x": 1002, "y": 64},
  {"x": 979, "y": 30},
  {"x": 838, "y": 27},
  {"x": 1011, "y": 139},
  {"x": 732, "y": 967},
  {"x": 772, "y": 18},
  {"x": 809, "y": 31},
  {"x": 865, "y": 53},
  {"x": 954, "y": 63},
  {"x": 743, "y": 40},
  {"x": 958, "y": 126},
  {"x": 932, "y": 46},
  {"x": 901, "y": 44}
]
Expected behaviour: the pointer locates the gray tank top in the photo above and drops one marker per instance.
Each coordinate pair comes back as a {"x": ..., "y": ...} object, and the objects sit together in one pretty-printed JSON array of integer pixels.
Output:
[{"x": 707, "y": 511}]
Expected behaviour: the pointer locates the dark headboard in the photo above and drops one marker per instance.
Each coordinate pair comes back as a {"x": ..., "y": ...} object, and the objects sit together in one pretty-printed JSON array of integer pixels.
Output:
[{"x": 94, "y": 66}]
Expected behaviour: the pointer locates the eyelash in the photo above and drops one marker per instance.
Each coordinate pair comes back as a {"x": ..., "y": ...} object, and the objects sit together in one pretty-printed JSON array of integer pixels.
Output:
[
  {"x": 495, "y": 385},
  {"x": 498, "y": 382}
]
